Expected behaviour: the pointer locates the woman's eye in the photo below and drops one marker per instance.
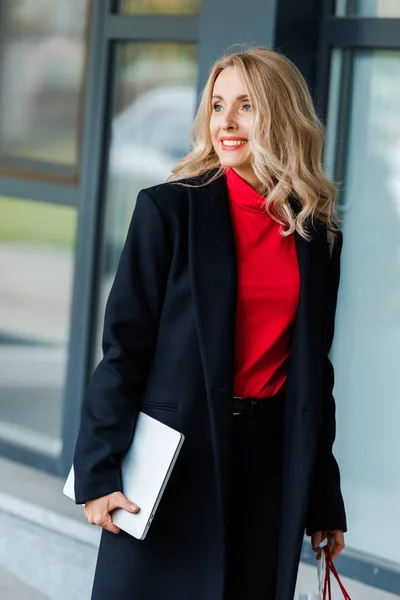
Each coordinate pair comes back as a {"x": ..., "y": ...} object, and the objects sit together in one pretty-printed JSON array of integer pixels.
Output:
[
  {"x": 216, "y": 107},
  {"x": 247, "y": 107}
]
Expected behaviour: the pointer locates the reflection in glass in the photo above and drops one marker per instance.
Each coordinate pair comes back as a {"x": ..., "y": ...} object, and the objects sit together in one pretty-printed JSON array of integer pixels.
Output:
[
  {"x": 368, "y": 8},
  {"x": 41, "y": 79},
  {"x": 149, "y": 7},
  {"x": 367, "y": 340},
  {"x": 36, "y": 266},
  {"x": 154, "y": 107}
]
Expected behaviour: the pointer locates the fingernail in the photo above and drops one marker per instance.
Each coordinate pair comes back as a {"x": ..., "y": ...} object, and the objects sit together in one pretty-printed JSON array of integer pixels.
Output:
[{"x": 134, "y": 507}]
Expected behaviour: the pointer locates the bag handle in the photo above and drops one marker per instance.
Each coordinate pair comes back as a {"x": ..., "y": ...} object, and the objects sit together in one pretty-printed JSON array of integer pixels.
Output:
[{"x": 330, "y": 568}]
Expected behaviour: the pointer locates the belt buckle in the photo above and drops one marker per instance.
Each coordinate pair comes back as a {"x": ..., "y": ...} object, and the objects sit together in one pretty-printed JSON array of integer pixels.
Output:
[{"x": 237, "y": 398}]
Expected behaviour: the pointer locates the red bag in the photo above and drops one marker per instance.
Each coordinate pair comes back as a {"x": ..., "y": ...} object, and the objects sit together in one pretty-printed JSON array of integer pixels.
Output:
[{"x": 331, "y": 569}]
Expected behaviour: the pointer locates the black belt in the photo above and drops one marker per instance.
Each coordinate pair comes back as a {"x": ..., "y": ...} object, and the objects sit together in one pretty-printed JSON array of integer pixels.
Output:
[{"x": 254, "y": 406}]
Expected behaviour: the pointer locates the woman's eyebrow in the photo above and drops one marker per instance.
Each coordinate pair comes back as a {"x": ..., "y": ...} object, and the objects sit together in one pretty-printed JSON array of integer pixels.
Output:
[{"x": 241, "y": 97}]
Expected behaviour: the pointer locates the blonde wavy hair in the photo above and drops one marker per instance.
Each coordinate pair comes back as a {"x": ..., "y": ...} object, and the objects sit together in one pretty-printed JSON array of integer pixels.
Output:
[{"x": 286, "y": 136}]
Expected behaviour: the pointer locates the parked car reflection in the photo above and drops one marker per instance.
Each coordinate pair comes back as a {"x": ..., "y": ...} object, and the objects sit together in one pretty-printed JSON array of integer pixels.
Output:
[{"x": 148, "y": 139}]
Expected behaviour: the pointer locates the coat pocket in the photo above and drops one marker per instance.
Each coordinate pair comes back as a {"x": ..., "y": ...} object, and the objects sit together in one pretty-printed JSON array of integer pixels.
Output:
[{"x": 146, "y": 404}]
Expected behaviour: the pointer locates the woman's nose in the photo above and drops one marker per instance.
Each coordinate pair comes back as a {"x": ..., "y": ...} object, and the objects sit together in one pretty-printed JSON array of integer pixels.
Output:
[{"x": 228, "y": 121}]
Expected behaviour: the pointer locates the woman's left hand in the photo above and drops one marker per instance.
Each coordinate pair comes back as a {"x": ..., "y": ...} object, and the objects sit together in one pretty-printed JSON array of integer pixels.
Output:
[{"x": 335, "y": 542}]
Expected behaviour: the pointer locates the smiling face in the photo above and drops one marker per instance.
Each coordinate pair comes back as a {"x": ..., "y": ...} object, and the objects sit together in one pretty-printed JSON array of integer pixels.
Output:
[{"x": 231, "y": 121}]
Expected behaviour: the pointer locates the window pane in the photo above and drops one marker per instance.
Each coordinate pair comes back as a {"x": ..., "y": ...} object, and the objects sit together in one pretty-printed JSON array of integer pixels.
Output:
[
  {"x": 36, "y": 267},
  {"x": 42, "y": 62},
  {"x": 367, "y": 341},
  {"x": 368, "y": 8},
  {"x": 150, "y": 7},
  {"x": 154, "y": 107}
]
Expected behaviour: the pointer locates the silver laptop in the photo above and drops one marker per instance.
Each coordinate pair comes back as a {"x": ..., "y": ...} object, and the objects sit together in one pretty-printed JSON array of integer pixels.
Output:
[{"x": 146, "y": 468}]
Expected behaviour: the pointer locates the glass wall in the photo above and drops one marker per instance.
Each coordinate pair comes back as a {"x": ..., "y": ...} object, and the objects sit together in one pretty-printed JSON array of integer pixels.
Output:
[
  {"x": 367, "y": 341},
  {"x": 176, "y": 7},
  {"x": 42, "y": 74},
  {"x": 42, "y": 66},
  {"x": 368, "y": 8},
  {"x": 36, "y": 268},
  {"x": 155, "y": 99}
]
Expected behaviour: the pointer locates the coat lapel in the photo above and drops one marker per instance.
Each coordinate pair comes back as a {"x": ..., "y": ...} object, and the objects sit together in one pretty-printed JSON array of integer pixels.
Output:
[
  {"x": 213, "y": 278},
  {"x": 313, "y": 259}
]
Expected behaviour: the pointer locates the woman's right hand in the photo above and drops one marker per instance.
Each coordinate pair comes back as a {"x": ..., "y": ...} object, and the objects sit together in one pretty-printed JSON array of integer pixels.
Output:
[{"x": 98, "y": 511}]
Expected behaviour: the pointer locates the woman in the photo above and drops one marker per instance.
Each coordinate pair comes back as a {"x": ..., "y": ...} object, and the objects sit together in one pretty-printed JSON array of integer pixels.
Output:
[{"x": 219, "y": 324}]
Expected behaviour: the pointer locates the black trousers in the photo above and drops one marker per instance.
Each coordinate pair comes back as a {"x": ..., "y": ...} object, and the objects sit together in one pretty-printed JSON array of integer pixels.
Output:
[{"x": 255, "y": 505}]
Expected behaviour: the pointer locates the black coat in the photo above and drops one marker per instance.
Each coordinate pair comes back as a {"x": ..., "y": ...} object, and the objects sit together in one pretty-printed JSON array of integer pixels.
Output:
[{"x": 168, "y": 350}]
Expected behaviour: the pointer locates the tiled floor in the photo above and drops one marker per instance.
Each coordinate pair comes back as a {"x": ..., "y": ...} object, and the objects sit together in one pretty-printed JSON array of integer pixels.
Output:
[
  {"x": 307, "y": 583},
  {"x": 12, "y": 588}
]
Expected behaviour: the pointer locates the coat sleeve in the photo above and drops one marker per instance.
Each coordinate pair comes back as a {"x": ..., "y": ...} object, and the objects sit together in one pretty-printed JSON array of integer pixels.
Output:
[
  {"x": 113, "y": 397},
  {"x": 326, "y": 508}
]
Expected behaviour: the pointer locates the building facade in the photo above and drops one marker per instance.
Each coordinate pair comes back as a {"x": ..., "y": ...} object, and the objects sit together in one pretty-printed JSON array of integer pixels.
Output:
[{"x": 96, "y": 102}]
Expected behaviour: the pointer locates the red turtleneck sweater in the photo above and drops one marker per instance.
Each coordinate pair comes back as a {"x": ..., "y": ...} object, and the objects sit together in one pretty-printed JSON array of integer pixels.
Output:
[{"x": 268, "y": 293}]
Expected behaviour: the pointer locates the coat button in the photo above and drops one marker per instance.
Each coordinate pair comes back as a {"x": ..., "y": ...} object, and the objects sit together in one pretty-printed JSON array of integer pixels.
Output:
[{"x": 221, "y": 390}]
